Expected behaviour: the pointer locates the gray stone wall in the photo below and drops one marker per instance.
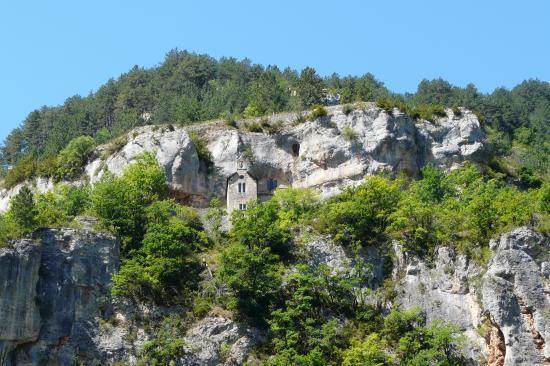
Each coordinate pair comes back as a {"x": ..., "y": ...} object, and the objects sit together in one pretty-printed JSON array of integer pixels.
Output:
[{"x": 236, "y": 198}]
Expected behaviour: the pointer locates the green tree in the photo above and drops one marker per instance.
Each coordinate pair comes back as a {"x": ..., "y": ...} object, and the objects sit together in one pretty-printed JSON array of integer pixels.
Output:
[
  {"x": 165, "y": 268},
  {"x": 360, "y": 215},
  {"x": 253, "y": 276},
  {"x": 309, "y": 87},
  {"x": 370, "y": 352},
  {"x": 72, "y": 159},
  {"x": 120, "y": 202},
  {"x": 23, "y": 210}
]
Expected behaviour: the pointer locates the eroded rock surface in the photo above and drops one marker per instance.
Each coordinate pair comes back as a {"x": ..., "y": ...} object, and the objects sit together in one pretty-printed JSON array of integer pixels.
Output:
[
  {"x": 517, "y": 298},
  {"x": 56, "y": 286},
  {"x": 219, "y": 341},
  {"x": 19, "y": 313},
  {"x": 310, "y": 154},
  {"x": 502, "y": 310}
]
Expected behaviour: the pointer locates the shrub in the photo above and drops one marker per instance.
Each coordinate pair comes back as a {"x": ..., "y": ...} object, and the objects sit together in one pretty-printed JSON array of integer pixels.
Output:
[
  {"x": 23, "y": 210},
  {"x": 318, "y": 111},
  {"x": 274, "y": 127},
  {"x": 230, "y": 121},
  {"x": 248, "y": 153},
  {"x": 360, "y": 215},
  {"x": 301, "y": 324},
  {"x": 29, "y": 168},
  {"x": 9, "y": 230},
  {"x": 456, "y": 111},
  {"x": 295, "y": 204},
  {"x": 264, "y": 122},
  {"x": 347, "y": 109},
  {"x": 61, "y": 204},
  {"x": 165, "y": 268},
  {"x": 253, "y": 276},
  {"x": 349, "y": 134},
  {"x": 299, "y": 118},
  {"x": 388, "y": 104},
  {"x": 201, "y": 145},
  {"x": 252, "y": 110},
  {"x": 72, "y": 159},
  {"x": 115, "y": 146},
  {"x": 102, "y": 136},
  {"x": 166, "y": 346},
  {"x": 254, "y": 127},
  {"x": 120, "y": 202},
  {"x": 427, "y": 111}
]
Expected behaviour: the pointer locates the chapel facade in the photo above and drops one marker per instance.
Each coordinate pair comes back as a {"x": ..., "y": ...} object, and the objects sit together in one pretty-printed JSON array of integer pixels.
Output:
[{"x": 243, "y": 187}]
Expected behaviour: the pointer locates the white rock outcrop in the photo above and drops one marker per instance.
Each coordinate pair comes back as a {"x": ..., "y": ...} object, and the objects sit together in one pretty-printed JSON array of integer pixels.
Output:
[
  {"x": 312, "y": 154},
  {"x": 503, "y": 310},
  {"x": 333, "y": 151}
]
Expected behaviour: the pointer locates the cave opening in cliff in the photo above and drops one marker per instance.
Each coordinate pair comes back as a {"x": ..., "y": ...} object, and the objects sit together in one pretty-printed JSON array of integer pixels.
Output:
[{"x": 295, "y": 150}]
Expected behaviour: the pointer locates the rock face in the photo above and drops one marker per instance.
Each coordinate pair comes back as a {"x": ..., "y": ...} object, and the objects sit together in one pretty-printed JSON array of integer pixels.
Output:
[
  {"x": 19, "y": 313},
  {"x": 311, "y": 154},
  {"x": 516, "y": 295},
  {"x": 54, "y": 293},
  {"x": 51, "y": 296},
  {"x": 503, "y": 311},
  {"x": 39, "y": 185},
  {"x": 218, "y": 341}
]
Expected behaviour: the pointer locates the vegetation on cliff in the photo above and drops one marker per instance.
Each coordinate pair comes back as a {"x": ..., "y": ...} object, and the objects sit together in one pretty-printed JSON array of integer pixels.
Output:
[
  {"x": 187, "y": 88},
  {"x": 313, "y": 315}
]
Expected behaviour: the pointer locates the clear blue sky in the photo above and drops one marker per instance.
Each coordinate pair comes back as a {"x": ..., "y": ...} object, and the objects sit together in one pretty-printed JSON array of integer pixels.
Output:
[{"x": 53, "y": 49}]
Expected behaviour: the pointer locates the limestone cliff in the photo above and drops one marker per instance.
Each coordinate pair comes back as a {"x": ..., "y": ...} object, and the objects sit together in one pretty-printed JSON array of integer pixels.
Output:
[
  {"x": 311, "y": 154},
  {"x": 503, "y": 309},
  {"x": 55, "y": 304},
  {"x": 51, "y": 293}
]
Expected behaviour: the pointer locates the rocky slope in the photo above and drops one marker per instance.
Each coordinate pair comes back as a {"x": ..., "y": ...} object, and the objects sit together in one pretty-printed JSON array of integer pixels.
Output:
[
  {"x": 51, "y": 293},
  {"x": 310, "y": 154},
  {"x": 503, "y": 309},
  {"x": 55, "y": 305}
]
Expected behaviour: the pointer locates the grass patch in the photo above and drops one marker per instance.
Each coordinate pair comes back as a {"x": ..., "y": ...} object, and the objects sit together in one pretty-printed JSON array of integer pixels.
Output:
[{"x": 349, "y": 134}]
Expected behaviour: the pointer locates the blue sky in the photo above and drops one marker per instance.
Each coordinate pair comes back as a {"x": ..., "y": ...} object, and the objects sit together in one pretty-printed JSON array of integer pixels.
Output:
[{"x": 53, "y": 49}]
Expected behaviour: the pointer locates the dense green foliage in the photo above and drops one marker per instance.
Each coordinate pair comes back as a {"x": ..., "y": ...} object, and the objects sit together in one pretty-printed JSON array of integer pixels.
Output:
[
  {"x": 259, "y": 271},
  {"x": 187, "y": 87},
  {"x": 73, "y": 157},
  {"x": 120, "y": 202},
  {"x": 23, "y": 210},
  {"x": 312, "y": 314}
]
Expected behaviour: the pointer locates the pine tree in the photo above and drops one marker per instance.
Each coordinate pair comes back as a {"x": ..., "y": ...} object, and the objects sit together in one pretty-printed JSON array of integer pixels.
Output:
[{"x": 23, "y": 210}]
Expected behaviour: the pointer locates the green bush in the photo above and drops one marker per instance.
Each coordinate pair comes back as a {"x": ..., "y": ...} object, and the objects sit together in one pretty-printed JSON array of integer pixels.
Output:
[
  {"x": 349, "y": 134},
  {"x": 347, "y": 109},
  {"x": 318, "y": 111},
  {"x": 230, "y": 121},
  {"x": 165, "y": 268},
  {"x": 29, "y": 168},
  {"x": 252, "y": 110},
  {"x": 120, "y": 202},
  {"x": 201, "y": 145},
  {"x": 115, "y": 146},
  {"x": 166, "y": 346},
  {"x": 23, "y": 210},
  {"x": 9, "y": 230},
  {"x": 360, "y": 215},
  {"x": 72, "y": 159},
  {"x": 299, "y": 118},
  {"x": 254, "y": 127},
  {"x": 389, "y": 104},
  {"x": 61, "y": 205}
]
